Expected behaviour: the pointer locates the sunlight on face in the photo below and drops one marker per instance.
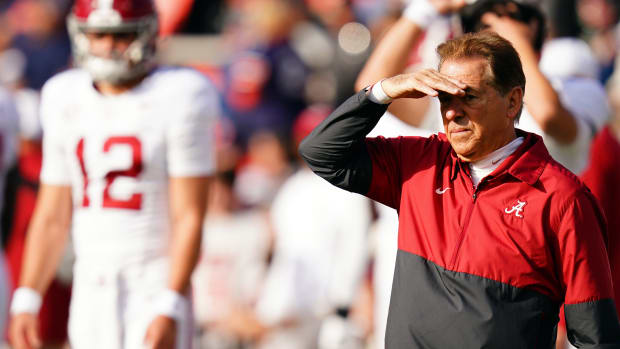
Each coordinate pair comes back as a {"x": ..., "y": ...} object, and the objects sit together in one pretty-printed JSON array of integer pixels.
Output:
[{"x": 481, "y": 121}]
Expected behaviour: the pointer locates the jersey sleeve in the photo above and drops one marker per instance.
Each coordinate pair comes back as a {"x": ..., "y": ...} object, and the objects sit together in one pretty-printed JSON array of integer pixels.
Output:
[
  {"x": 591, "y": 319},
  {"x": 55, "y": 168},
  {"x": 191, "y": 136},
  {"x": 586, "y": 99}
]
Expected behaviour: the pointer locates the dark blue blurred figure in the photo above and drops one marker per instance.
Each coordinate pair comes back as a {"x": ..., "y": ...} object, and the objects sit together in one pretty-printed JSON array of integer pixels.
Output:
[
  {"x": 41, "y": 35},
  {"x": 264, "y": 90},
  {"x": 265, "y": 79}
]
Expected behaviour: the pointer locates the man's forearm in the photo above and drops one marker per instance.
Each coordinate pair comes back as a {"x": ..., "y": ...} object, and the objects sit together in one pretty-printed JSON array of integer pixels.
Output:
[
  {"x": 335, "y": 150},
  {"x": 542, "y": 100},
  {"x": 185, "y": 250},
  {"x": 188, "y": 196},
  {"x": 45, "y": 245},
  {"x": 46, "y": 238}
]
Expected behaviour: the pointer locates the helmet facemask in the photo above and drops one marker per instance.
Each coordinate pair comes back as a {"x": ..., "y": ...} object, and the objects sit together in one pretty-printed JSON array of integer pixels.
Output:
[{"x": 137, "y": 60}]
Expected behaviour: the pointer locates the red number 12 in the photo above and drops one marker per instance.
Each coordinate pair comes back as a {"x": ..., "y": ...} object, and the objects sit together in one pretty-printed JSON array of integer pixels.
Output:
[{"x": 135, "y": 201}]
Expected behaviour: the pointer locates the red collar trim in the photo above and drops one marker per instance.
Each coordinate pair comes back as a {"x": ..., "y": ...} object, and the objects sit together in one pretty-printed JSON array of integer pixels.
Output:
[{"x": 527, "y": 163}]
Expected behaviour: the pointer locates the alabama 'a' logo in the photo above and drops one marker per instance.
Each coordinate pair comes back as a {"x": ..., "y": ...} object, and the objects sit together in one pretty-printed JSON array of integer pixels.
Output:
[{"x": 516, "y": 209}]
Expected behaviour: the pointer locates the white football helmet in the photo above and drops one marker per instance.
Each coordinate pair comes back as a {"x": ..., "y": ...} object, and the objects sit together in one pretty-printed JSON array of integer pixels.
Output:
[{"x": 114, "y": 16}]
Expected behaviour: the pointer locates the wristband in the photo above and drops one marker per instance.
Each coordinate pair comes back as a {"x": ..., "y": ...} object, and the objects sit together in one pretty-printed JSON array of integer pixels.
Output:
[
  {"x": 26, "y": 300},
  {"x": 171, "y": 304},
  {"x": 421, "y": 12},
  {"x": 378, "y": 95}
]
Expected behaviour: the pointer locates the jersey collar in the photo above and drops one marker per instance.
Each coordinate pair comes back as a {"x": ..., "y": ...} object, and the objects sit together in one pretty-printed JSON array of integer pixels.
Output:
[{"x": 527, "y": 163}]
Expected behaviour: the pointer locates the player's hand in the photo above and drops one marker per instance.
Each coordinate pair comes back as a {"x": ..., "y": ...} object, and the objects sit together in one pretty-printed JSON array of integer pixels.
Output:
[
  {"x": 510, "y": 29},
  {"x": 24, "y": 331},
  {"x": 161, "y": 334},
  {"x": 427, "y": 82},
  {"x": 242, "y": 322}
]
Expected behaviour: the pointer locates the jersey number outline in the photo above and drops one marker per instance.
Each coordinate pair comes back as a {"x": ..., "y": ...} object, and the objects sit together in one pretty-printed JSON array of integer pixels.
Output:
[{"x": 135, "y": 201}]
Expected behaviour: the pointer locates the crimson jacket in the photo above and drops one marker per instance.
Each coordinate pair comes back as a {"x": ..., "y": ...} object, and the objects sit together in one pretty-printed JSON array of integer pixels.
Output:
[{"x": 477, "y": 267}]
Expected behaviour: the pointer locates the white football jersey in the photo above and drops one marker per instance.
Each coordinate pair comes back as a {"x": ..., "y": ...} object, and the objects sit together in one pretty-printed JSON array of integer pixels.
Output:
[
  {"x": 118, "y": 152},
  {"x": 320, "y": 250}
]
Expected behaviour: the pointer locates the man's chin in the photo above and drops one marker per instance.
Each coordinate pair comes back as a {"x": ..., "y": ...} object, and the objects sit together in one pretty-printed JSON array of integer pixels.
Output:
[{"x": 464, "y": 152}]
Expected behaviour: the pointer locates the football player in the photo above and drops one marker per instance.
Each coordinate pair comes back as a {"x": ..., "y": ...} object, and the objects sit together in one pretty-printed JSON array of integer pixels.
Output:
[{"x": 128, "y": 155}]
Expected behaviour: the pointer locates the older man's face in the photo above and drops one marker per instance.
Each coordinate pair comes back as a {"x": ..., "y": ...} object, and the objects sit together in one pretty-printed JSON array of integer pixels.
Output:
[{"x": 481, "y": 121}]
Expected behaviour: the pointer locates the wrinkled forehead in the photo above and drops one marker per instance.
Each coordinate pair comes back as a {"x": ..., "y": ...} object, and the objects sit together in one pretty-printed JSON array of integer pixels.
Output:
[{"x": 470, "y": 70}]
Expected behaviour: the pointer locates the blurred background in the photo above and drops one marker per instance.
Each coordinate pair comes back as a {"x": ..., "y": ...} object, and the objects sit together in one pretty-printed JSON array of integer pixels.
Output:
[{"x": 280, "y": 66}]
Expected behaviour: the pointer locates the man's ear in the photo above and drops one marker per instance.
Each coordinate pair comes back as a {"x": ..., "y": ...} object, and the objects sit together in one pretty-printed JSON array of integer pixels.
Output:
[{"x": 515, "y": 102}]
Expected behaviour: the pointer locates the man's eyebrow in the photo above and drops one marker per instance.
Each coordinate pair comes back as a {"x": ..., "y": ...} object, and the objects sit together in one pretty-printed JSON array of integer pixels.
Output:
[{"x": 470, "y": 89}]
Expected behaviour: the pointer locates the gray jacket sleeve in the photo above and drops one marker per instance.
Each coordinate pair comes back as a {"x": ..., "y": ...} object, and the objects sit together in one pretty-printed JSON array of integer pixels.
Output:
[{"x": 336, "y": 151}]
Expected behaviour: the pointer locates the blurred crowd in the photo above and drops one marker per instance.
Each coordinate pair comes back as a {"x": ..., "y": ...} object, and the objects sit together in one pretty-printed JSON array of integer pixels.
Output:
[{"x": 287, "y": 260}]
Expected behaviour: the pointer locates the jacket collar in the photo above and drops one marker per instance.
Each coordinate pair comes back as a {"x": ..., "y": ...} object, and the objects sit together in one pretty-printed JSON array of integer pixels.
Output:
[{"x": 526, "y": 164}]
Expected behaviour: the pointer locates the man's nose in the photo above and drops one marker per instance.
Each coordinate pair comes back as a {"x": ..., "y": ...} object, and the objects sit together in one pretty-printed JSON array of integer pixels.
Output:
[
  {"x": 107, "y": 41},
  {"x": 453, "y": 108},
  {"x": 112, "y": 43}
]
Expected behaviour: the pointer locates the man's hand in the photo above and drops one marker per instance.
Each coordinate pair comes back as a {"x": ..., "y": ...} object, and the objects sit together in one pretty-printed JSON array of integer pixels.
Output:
[
  {"x": 427, "y": 82},
  {"x": 242, "y": 322},
  {"x": 161, "y": 334},
  {"x": 24, "y": 331},
  {"x": 543, "y": 102},
  {"x": 518, "y": 33}
]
